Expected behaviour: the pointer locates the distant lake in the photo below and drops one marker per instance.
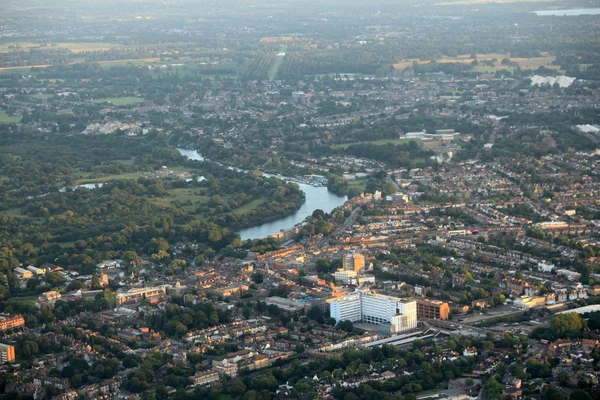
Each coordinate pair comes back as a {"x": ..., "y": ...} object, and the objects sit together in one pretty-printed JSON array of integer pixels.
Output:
[
  {"x": 315, "y": 198},
  {"x": 582, "y": 11}
]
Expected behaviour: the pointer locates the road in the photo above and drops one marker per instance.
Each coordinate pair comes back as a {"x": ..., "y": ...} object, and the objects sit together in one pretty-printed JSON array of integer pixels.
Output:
[
  {"x": 505, "y": 311},
  {"x": 348, "y": 223}
]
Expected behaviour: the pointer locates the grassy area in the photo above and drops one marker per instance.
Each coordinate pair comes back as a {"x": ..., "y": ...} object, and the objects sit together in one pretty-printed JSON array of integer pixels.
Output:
[
  {"x": 119, "y": 101},
  {"x": 23, "y": 300},
  {"x": 11, "y": 212},
  {"x": 429, "y": 392},
  {"x": 42, "y": 96},
  {"x": 484, "y": 69},
  {"x": 102, "y": 179},
  {"x": 360, "y": 184},
  {"x": 76, "y": 47},
  {"x": 182, "y": 195},
  {"x": 20, "y": 70},
  {"x": 122, "y": 63},
  {"x": 379, "y": 142},
  {"x": 5, "y": 119},
  {"x": 246, "y": 208},
  {"x": 188, "y": 69}
]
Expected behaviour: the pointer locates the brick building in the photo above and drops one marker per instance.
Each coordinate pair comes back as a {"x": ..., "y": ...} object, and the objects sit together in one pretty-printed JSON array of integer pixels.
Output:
[
  {"x": 432, "y": 309},
  {"x": 11, "y": 321}
]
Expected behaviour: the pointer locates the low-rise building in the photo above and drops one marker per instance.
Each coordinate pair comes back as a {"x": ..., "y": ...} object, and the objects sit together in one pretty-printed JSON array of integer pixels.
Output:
[
  {"x": 11, "y": 321},
  {"x": 206, "y": 377},
  {"x": 22, "y": 273}
]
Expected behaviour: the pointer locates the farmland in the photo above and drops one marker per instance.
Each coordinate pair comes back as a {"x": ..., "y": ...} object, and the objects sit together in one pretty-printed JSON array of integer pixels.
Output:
[{"x": 525, "y": 63}]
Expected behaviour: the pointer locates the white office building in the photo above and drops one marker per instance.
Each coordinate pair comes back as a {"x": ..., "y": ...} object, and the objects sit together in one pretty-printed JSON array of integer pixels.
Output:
[
  {"x": 346, "y": 277},
  {"x": 362, "y": 306}
]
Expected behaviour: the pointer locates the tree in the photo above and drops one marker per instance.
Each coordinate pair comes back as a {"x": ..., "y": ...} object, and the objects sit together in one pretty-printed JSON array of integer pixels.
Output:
[
  {"x": 346, "y": 325},
  {"x": 570, "y": 324},
  {"x": 318, "y": 214},
  {"x": 129, "y": 258},
  {"x": 54, "y": 279},
  {"x": 238, "y": 388},
  {"x": 246, "y": 312},
  {"x": 516, "y": 370},
  {"x": 493, "y": 389},
  {"x": 258, "y": 278},
  {"x": 95, "y": 282},
  {"x": 552, "y": 393},
  {"x": 580, "y": 394}
]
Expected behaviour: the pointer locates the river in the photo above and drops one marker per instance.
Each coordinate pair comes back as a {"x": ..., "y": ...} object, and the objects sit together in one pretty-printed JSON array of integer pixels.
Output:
[{"x": 315, "y": 198}]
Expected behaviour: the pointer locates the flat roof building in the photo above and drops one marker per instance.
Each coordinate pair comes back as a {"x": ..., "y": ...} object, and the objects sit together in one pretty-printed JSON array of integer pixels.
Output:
[
  {"x": 432, "y": 309},
  {"x": 368, "y": 307}
]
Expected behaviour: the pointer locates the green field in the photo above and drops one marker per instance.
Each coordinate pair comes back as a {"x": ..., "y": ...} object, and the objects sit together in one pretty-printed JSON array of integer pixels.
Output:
[
  {"x": 42, "y": 96},
  {"x": 102, "y": 179},
  {"x": 182, "y": 195},
  {"x": 5, "y": 119},
  {"x": 246, "y": 208},
  {"x": 359, "y": 184},
  {"x": 11, "y": 212},
  {"x": 17, "y": 70},
  {"x": 23, "y": 300},
  {"x": 119, "y": 101},
  {"x": 379, "y": 142}
]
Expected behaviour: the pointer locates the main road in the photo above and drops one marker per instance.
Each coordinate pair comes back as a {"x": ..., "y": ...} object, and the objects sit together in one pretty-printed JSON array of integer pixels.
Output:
[{"x": 348, "y": 222}]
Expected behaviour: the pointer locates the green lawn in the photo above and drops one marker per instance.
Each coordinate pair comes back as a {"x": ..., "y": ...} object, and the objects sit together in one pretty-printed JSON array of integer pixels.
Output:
[
  {"x": 182, "y": 195},
  {"x": 102, "y": 179},
  {"x": 119, "y": 101},
  {"x": 11, "y": 212},
  {"x": 5, "y": 119},
  {"x": 357, "y": 184},
  {"x": 246, "y": 208},
  {"x": 379, "y": 142},
  {"x": 23, "y": 300},
  {"x": 41, "y": 96},
  {"x": 16, "y": 70}
]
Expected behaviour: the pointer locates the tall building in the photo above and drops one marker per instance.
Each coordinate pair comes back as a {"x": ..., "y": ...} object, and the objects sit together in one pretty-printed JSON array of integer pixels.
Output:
[
  {"x": 432, "y": 309},
  {"x": 360, "y": 306},
  {"x": 353, "y": 262},
  {"x": 7, "y": 353}
]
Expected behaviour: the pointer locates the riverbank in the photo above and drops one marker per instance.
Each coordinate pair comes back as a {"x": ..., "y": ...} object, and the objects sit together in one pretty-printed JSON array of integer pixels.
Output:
[{"x": 315, "y": 197}]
